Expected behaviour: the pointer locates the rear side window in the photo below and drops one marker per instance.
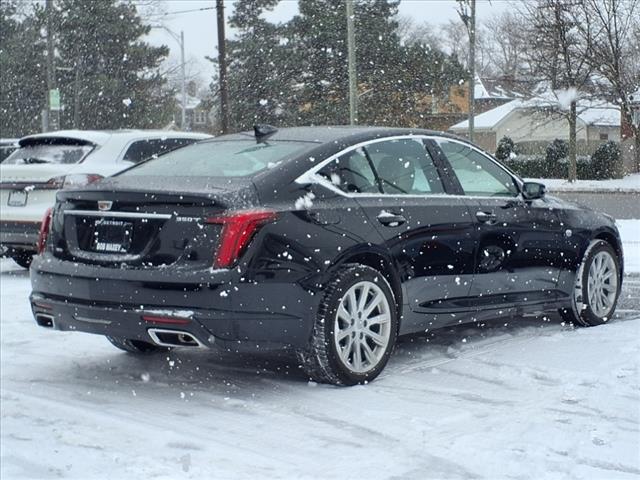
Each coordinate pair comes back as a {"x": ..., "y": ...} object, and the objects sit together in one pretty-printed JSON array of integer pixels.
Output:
[
  {"x": 351, "y": 173},
  {"x": 47, "y": 153},
  {"x": 232, "y": 158},
  {"x": 144, "y": 149},
  {"x": 477, "y": 174}
]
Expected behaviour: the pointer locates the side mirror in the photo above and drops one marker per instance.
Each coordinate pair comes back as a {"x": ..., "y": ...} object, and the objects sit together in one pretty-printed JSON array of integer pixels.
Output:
[{"x": 533, "y": 190}]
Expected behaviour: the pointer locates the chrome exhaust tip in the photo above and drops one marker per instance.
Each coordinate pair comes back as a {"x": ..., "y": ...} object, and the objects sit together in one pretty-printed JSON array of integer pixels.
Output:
[
  {"x": 174, "y": 338},
  {"x": 45, "y": 320}
]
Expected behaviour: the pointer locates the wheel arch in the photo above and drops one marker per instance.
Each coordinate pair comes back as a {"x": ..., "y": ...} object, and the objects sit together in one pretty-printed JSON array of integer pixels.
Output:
[
  {"x": 381, "y": 261},
  {"x": 610, "y": 236}
]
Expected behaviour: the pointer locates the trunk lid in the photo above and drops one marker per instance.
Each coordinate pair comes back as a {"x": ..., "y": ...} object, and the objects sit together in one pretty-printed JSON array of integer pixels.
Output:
[{"x": 157, "y": 227}]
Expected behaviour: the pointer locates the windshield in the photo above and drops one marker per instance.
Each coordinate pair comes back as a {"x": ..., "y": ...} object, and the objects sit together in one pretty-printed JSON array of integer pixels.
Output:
[
  {"x": 58, "y": 154},
  {"x": 233, "y": 158}
]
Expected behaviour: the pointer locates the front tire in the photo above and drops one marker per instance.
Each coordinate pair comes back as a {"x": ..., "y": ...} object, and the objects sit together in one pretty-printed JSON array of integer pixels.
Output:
[
  {"x": 138, "y": 347},
  {"x": 22, "y": 258},
  {"x": 597, "y": 286},
  {"x": 355, "y": 329}
]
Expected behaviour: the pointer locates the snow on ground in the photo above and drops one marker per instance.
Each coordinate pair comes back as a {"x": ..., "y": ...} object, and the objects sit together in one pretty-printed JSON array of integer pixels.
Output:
[
  {"x": 522, "y": 399},
  {"x": 630, "y": 183}
]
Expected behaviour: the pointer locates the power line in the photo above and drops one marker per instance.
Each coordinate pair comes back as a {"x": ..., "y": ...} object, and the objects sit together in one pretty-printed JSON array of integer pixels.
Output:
[{"x": 188, "y": 11}]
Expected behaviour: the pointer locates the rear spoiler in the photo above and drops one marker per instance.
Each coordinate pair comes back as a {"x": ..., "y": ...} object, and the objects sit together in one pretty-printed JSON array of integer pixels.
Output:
[{"x": 41, "y": 140}]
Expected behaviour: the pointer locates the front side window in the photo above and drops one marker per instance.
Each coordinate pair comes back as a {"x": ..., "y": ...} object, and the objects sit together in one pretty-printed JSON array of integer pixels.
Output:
[
  {"x": 229, "y": 159},
  {"x": 351, "y": 173},
  {"x": 404, "y": 167},
  {"x": 477, "y": 174}
]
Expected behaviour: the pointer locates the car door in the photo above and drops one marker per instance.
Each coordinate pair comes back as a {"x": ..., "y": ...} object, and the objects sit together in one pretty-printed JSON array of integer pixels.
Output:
[
  {"x": 428, "y": 233},
  {"x": 519, "y": 243}
]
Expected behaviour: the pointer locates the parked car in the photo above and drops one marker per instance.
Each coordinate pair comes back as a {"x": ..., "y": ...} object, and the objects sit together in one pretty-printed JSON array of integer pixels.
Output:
[
  {"x": 47, "y": 162},
  {"x": 327, "y": 241},
  {"x": 7, "y": 147}
]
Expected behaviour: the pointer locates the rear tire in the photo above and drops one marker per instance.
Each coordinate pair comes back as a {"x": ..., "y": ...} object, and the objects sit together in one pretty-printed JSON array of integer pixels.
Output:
[
  {"x": 138, "y": 347},
  {"x": 355, "y": 329},
  {"x": 597, "y": 287},
  {"x": 22, "y": 258}
]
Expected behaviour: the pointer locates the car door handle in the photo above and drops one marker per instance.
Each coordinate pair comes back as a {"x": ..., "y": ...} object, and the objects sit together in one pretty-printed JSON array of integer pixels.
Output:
[
  {"x": 486, "y": 217},
  {"x": 391, "y": 219}
]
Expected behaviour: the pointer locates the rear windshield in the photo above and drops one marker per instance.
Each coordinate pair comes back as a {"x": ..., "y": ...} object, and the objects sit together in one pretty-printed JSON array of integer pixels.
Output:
[
  {"x": 232, "y": 158},
  {"x": 59, "y": 154}
]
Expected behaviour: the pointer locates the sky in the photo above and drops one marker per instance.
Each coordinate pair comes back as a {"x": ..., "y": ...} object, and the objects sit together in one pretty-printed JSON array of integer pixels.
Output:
[{"x": 200, "y": 30}]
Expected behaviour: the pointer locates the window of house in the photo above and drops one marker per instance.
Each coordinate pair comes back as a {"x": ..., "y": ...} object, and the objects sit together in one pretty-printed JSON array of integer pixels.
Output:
[
  {"x": 200, "y": 117},
  {"x": 604, "y": 136}
]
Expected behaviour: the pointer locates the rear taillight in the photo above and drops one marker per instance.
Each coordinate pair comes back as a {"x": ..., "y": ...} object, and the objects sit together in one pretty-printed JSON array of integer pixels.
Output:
[
  {"x": 75, "y": 180},
  {"x": 45, "y": 226},
  {"x": 237, "y": 231}
]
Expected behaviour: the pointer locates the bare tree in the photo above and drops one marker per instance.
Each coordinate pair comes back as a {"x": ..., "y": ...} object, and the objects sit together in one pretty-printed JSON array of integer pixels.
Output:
[
  {"x": 615, "y": 54},
  {"x": 507, "y": 47},
  {"x": 560, "y": 46},
  {"x": 423, "y": 33}
]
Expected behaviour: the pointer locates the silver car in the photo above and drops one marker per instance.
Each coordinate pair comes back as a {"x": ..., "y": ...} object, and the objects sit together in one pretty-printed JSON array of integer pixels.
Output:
[{"x": 48, "y": 162}]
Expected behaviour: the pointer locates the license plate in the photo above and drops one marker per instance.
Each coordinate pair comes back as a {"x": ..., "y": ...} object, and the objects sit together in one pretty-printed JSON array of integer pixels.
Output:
[
  {"x": 112, "y": 236},
  {"x": 17, "y": 198}
]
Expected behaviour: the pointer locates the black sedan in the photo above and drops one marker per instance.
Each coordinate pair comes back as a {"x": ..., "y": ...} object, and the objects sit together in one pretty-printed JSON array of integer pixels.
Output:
[{"x": 326, "y": 241}]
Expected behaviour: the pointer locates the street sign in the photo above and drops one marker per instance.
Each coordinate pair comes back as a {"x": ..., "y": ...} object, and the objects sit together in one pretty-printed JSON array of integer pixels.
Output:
[{"x": 54, "y": 99}]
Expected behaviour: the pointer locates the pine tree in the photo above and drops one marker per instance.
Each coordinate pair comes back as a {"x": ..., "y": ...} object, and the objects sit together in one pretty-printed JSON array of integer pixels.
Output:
[
  {"x": 110, "y": 77},
  {"x": 258, "y": 81},
  {"x": 22, "y": 73}
]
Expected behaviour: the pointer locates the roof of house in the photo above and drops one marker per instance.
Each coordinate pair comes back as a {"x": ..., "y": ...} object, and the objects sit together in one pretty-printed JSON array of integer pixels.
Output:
[
  {"x": 191, "y": 103},
  {"x": 590, "y": 112}
]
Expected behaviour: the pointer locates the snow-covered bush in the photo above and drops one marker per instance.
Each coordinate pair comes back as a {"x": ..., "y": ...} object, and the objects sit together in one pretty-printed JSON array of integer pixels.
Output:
[
  {"x": 537, "y": 166},
  {"x": 506, "y": 149},
  {"x": 606, "y": 162}
]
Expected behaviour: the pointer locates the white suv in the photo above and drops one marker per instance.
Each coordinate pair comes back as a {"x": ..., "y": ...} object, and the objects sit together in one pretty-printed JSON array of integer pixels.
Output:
[{"x": 47, "y": 162}]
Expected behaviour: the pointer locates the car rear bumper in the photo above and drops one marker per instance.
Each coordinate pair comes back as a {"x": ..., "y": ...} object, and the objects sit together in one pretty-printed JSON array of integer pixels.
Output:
[
  {"x": 19, "y": 234},
  {"x": 214, "y": 307}
]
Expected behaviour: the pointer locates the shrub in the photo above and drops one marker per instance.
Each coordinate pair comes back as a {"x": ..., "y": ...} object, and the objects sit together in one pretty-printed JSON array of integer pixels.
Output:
[
  {"x": 506, "y": 149},
  {"x": 557, "y": 150},
  {"x": 537, "y": 166},
  {"x": 606, "y": 162}
]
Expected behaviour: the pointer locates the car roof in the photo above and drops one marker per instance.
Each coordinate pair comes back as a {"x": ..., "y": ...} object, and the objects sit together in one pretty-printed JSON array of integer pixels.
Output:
[
  {"x": 337, "y": 133},
  {"x": 100, "y": 137}
]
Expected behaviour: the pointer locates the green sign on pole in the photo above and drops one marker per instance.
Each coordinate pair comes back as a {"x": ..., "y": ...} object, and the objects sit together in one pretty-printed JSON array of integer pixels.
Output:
[{"x": 54, "y": 99}]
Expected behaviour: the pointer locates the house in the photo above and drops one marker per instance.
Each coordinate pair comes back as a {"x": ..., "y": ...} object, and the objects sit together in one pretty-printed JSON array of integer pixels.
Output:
[
  {"x": 198, "y": 114},
  {"x": 534, "y": 123}
]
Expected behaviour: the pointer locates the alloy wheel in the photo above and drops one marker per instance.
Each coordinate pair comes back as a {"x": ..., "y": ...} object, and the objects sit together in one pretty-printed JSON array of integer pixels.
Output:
[
  {"x": 602, "y": 284},
  {"x": 362, "y": 328}
]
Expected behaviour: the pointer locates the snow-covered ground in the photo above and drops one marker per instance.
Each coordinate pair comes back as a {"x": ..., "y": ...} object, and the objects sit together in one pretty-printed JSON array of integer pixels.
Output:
[
  {"x": 630, "y": 184},
  {"x": 525, "y": 398}
]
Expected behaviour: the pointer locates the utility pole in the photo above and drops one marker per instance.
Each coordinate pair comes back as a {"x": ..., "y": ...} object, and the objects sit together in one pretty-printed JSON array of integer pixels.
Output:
[
  {"x": 183, "y": 74},
  {"x": 184, "y": 81},
  {"x": 472, "y": 68},
  {"x": 351, "y": 55},
  {"x": 222, "y": 66},
  {"x": 46, "y": 118},
  {"x": 469, "y": 19}
]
